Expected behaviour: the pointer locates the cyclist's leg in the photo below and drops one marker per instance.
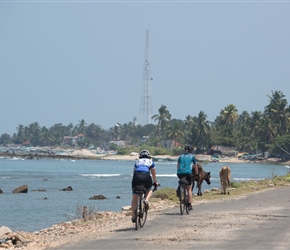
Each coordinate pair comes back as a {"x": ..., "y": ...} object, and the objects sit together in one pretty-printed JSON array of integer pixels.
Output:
[
  {"x": 134, "y": 205},
  {"x": 148, "y": 186},
  {"x": 135, "y": 181},
  {"x": 134, "y": 202},
  {"x": 148, "y": 195},
  {"x": 188, "y": 188}
]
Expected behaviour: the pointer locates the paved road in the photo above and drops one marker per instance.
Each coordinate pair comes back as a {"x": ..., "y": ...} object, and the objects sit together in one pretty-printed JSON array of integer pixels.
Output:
[{"x": 256, "y": 221}]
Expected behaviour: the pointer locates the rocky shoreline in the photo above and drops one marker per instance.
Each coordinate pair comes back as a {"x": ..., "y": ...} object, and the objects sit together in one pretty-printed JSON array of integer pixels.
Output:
[{"x": 99, "y": 224}]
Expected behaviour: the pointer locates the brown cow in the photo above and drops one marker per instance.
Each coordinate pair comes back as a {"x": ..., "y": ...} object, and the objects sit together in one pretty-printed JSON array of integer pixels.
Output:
[
  {"x": 225, "y": 176},
  {"x": 199, "y": 177}
]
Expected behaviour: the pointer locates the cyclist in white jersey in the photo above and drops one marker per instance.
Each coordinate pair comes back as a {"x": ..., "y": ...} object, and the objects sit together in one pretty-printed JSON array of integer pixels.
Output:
[{"x": 143, "y": 169}]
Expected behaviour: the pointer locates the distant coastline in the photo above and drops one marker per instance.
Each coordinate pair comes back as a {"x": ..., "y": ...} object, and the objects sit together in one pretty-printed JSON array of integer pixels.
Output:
[{"x": 91, "y": 154}]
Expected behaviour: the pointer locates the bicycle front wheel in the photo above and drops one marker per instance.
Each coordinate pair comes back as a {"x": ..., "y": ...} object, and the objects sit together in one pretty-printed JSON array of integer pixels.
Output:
[{"x": 142, "y": 214}]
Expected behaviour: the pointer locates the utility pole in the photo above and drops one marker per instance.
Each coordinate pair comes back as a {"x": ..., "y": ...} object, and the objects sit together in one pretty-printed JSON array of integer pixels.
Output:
[{"x": 146, "y": 98}]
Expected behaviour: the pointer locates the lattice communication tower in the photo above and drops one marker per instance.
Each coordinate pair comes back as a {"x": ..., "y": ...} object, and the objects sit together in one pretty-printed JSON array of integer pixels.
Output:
[{"x": 146, "y": 98}]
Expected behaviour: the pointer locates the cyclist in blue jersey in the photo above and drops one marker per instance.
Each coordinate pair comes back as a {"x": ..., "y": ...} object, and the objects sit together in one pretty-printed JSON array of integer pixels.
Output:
[
  {"x": 143, "y": 169},
  {"x": 184, "y": 169}
]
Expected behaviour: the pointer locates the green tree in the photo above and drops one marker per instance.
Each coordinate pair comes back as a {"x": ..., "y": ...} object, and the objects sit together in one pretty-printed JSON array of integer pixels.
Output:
[
  {"x": 175, "y": 131},
  {"x": 202, "y": 127},
  {"x": 163, "y": 117},
  {"x": 223, "y": 126},
  {"x": 278, "y": 112},
  {"x": 81, "y": 127},
  {"x": 5, "y": 139},
  {"x": 229, "y": 114}
]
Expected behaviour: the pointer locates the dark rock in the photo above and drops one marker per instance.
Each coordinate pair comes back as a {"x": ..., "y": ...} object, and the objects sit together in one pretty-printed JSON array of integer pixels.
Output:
[
  {"x": 118, "y": 197},
  {"x": 1, "y": 192},
  {"x": 69, "y": 188},
  {"x": 22, "y": 189},
  {"x": 98, "y": 197}
]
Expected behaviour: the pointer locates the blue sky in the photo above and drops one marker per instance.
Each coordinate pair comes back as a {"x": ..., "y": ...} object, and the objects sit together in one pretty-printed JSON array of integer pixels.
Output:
[{"x": 63, "y": 61}]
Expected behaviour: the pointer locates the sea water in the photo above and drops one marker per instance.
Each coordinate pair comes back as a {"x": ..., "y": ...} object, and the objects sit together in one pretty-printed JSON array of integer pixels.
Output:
[{"x": 45, "y": 205}]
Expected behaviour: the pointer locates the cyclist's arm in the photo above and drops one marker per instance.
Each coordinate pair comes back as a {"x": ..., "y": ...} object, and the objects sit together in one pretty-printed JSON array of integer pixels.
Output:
[
  {"x": 153, "y": 173},
  {"x": 178, "y": 162}
]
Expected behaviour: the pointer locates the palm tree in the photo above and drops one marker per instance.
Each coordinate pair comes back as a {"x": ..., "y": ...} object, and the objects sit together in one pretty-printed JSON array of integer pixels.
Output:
[
  {"x": 229, "y": 114},
  {"x": 199, "y": 132},
  {"x": 224, "y": 126},
  {"x": 81, "y": 127},
  {"x": 266, "y": 132},
  {"x": 163, "y": 118},
  {"x": 278, "y": 112},
  {"x": 188, "y": 122},
  {"x": 243, "y": 133},
  {"x": 175, "y": 131}
]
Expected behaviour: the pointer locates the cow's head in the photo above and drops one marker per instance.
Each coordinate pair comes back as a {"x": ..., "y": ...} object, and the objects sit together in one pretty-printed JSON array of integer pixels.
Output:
[{"x": 207, "y": 177}]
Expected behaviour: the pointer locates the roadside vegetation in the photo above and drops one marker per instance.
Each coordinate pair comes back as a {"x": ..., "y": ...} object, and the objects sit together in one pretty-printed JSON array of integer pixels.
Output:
[
  {"x": 236, "y": 189},
  {"x": 89, "y": 213}
]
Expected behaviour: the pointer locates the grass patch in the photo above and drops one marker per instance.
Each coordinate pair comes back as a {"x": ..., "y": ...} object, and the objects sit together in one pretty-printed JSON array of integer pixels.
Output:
[
  {"x": 82, "y": 212},
  {"x": 165, "y": 193}
]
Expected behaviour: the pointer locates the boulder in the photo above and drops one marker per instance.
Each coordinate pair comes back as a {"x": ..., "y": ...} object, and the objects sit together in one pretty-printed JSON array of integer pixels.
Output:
[
  {"x": 98, "y": 197},
  {"x": 69, "y": 188},
  {"x": 126, "y": 208},
  {"x": 22, "y": 189},
  {"x": 4, "y": 230},
  {"x": 1, "y": 192}
]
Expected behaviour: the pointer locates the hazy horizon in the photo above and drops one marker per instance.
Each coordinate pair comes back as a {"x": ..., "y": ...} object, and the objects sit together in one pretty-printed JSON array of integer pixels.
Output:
[{"x": 64, "y": 61}]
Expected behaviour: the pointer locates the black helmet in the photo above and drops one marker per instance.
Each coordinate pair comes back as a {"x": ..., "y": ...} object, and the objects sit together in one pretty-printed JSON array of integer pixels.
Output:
[
  {"x": 144, "y": 154},
  {"x": 188, "y": 148}
]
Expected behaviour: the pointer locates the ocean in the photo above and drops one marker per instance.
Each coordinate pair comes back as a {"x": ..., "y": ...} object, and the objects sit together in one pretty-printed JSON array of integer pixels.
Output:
[{"x": 45, "y": 205}]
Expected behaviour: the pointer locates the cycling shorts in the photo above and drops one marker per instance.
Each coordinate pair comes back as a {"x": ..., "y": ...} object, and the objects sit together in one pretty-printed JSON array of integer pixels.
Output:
[
  {"x": 187, "y": 176},
  {"x": 142, "y": 178}
]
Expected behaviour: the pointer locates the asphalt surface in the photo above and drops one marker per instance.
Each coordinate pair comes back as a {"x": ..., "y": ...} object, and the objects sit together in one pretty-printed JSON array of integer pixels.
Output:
[{"x": 256, "y": 221}]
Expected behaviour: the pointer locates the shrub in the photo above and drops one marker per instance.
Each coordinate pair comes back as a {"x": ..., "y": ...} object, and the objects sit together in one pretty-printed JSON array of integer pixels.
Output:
[
  {"x": 164, "y": 193},
  {"x": 236, "y": 184},
  {"x": 177, "y": 151}
]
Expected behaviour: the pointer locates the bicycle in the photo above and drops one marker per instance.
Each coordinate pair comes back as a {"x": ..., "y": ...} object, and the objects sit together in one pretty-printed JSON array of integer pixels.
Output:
[
  {"x": 142, "y": 207},
  {"x": 183, "y": 196}
]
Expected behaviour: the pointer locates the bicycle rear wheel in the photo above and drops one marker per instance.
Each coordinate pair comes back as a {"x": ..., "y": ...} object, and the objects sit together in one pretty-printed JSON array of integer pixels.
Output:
[{"x": 142, "y": 214}]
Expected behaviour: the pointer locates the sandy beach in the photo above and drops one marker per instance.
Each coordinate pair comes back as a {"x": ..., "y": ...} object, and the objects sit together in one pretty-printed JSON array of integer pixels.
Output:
[
  {"x": 200, "y": 158},
  {"x": 76, "y": 153}
]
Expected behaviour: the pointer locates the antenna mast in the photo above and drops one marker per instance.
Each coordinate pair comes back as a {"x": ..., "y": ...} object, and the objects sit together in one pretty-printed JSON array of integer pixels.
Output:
[{"x": 146, "y": 99}]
